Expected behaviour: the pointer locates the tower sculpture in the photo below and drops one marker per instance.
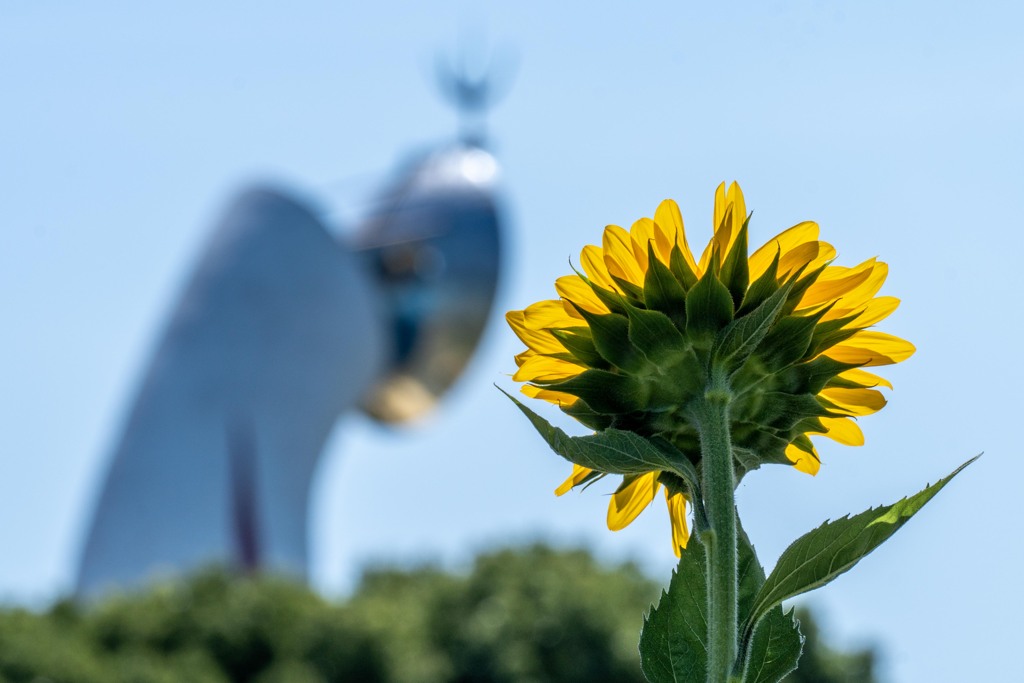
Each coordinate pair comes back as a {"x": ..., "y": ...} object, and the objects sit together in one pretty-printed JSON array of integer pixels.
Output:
[{"x": 282, "y": 328}]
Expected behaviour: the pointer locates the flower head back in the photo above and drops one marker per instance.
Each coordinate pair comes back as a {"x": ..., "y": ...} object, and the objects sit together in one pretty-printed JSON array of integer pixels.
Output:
[{"x": 635, "y": 338}]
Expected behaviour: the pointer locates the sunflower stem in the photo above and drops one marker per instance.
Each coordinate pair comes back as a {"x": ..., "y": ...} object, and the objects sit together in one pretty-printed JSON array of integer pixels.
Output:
[{"x": 719, "y": 494}]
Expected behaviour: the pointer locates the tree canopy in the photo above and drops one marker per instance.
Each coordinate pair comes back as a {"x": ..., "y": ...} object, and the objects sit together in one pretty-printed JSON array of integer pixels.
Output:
[{"x": 532, "y": 614}]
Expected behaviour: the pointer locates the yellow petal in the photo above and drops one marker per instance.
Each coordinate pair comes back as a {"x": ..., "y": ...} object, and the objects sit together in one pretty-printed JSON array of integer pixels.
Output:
[
  {"x": 532, "y": 326},
  {"x": 629, "y": 501},
  {"x": 618, "y": 256},
  {"x": 515, "y": 319},
  {"x": 872, "y": 312},
  {"x": 798, "y": 257},
  {"x": 843, "y": 430},
  {"x": 729, "y": 216},
  {"x": 557, "y": 397},
  {"x": 574, "y": 289},
  {"x": 579, "y": 473},
  {"x": 541, "y": 340},
  {"x": 548, "y": 315},
  {"x": 826, "y": 252},
  {"x": 802, "y": 460},
  {"x": 865, "y": 378},
  {"x": 854, "y": 401},
  {"x": 721, "y": 206},
  {"x": 863, "y": 292},
  {"x": 592, "y": 260},
  {"x": 670, "y": 220},
  {"x": 870, "y": 348},
  {"x": 677, "y": 515},
  {"x": 783, "y": 243},
  {"x": 722, "y": 226},
  {"x": 834, "y": 282},
  {"x": 642, "y": 234},
  {"x": 876, "y": 310},
  {"x": 718, "y": 225},
  {"x": 739, "y": 208},
  {"x": 545, "y": 369}
]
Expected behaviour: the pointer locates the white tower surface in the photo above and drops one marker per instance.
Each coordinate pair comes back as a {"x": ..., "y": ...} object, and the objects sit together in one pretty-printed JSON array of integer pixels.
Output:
[{"x": 278, "y": 332}]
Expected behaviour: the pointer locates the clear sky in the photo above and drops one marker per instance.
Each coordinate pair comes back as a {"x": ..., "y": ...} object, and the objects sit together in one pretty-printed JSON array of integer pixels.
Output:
[{"x": 897, "y": 126}]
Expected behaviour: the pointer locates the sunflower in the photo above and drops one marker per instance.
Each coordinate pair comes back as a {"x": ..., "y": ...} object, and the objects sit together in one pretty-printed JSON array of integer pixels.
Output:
[{"x": 633, "y": 339}]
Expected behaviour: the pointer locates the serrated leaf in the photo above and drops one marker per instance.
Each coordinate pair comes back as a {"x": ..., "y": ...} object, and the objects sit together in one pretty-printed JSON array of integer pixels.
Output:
[
  {"x": 612, "y": 450},
  {"x": 818, "y": 557},
  {"x": 775, "y": 648},
  {"x": 738, "y": 340},
  {"x": 673, "y": 643},
  {"x": 749, "y": 572}
]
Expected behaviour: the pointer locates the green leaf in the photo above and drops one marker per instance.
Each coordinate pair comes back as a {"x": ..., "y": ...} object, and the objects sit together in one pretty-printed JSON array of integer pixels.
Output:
[
  {"x": 709, "y": 307},
  {"x": 831, "y": 332},
  {"x": 662, "y": 291},
  {"x": 764, "y": 445},
  {"x": 775, "y": 648},
  {"x": 681, "y": 269},
  {"x": 610, "y": 333},
  {"x": 736, "y": 269},
  {"x": 655, "y": 335},
  {"x": 801, "y": 283},
  {"x": 588, "y": 416},
  {"x": 811, "y": 377},
  {"x": 682, "y": 377},
  {"x": 789, "y": 339},
  {"x": 613, "y": 300},
  {"x": 818, "y": 557},
  {"x": 781, "y": 411},
  {"x": 579, "y": 342},
  {"x": 749, "y": 572},
  {"x": 761, "y": 288},
  {"x": 612, "y": 451},
  {"x": 738, "y": 340},
  {"x": 605, "y": 392},
  {"x": 673, "y": 643},
  {"x": 632, "y": 291}
]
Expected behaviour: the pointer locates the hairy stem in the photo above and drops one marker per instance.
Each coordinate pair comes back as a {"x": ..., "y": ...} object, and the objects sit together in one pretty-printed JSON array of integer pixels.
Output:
[{"x": 719, "y": 496}]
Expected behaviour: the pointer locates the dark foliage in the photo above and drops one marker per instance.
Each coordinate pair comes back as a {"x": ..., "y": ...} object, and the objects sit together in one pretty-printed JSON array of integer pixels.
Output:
[{"x": 532, "y": 614}]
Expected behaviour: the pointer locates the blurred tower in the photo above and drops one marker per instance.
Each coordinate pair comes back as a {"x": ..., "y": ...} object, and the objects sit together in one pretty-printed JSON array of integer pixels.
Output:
[{"x": 282, "y": 328}]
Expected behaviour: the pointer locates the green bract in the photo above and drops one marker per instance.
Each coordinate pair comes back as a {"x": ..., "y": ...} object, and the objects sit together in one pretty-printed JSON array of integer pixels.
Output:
[{"x": 651, "y": 356}]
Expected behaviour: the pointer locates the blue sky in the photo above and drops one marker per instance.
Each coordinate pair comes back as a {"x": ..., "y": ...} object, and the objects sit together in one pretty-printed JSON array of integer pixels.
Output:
[{"x": 896, "y": 126}]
